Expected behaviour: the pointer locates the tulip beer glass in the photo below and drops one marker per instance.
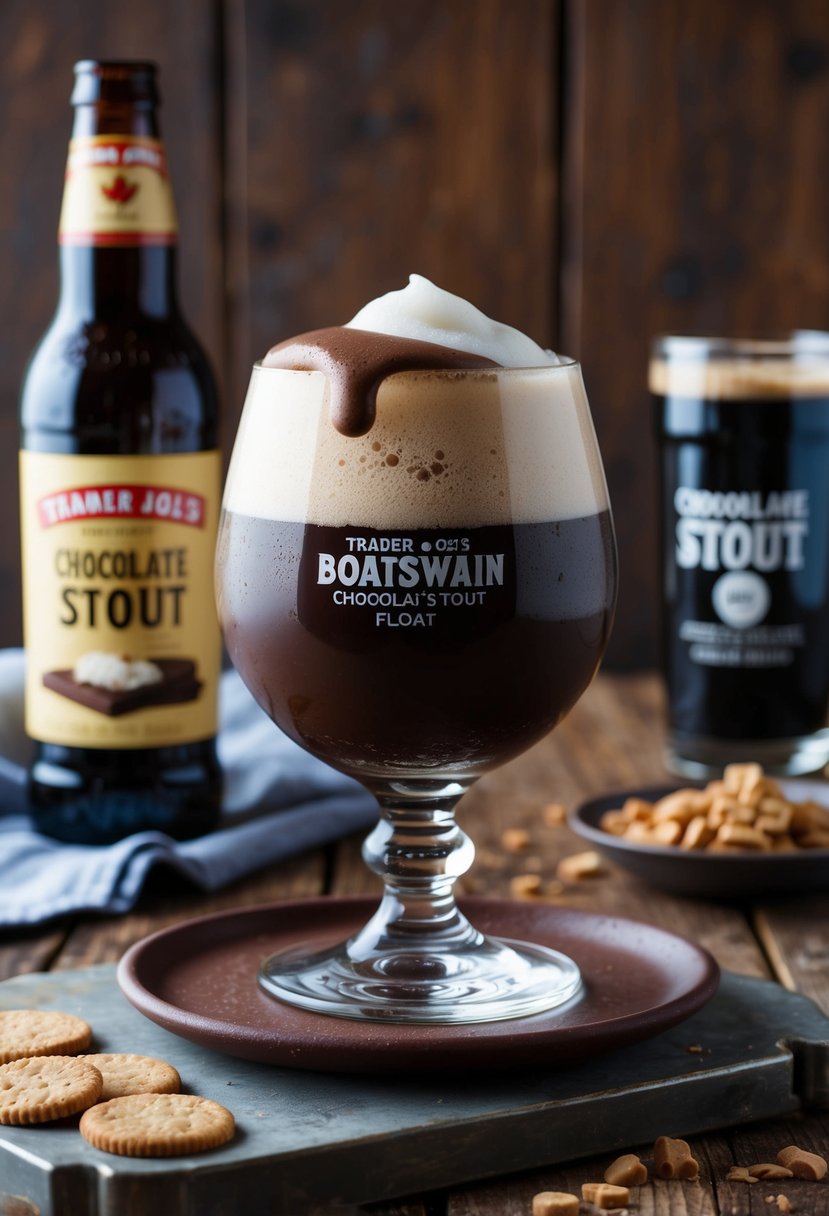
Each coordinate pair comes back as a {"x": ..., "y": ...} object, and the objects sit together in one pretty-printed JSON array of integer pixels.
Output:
[{"x": 415, "y": 606}]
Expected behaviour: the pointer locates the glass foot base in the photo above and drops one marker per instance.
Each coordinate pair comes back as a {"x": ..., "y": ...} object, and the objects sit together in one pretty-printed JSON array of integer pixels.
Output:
[{"x": 494, "y": 980}]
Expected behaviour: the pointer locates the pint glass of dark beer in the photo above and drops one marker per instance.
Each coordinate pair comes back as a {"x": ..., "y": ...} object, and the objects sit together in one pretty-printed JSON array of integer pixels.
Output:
[
  {"x": 416, "y": 605},
  {"x": 743, "y": 434}
]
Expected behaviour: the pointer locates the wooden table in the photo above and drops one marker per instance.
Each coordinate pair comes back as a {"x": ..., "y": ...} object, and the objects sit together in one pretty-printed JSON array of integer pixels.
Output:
[{"x": 610, "y": 741}]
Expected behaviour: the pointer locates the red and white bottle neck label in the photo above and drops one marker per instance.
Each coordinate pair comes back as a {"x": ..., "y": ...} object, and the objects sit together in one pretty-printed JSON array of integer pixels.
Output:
[{"x": 117, "y": 192}]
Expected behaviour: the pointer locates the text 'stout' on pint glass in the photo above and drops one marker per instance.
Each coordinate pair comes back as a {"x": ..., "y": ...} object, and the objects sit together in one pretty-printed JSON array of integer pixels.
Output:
[{"x": 743, "y": 436}]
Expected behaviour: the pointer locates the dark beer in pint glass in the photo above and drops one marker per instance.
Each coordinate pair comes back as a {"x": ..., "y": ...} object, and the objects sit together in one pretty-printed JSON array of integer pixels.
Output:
[{"x": 743, "y": 434}]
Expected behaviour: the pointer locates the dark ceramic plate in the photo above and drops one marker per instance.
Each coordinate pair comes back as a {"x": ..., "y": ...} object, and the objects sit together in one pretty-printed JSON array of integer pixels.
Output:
[
  {"x": 712, "y": 875},
  {"x": 198, "y": 980}
]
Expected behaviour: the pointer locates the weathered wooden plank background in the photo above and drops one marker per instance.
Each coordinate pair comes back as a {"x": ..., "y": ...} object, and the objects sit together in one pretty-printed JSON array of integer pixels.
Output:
[{"x": 593, "y": 171}]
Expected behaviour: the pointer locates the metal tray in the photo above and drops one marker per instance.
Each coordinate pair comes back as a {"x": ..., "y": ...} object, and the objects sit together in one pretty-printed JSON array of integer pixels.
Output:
[{"x": 307, "y": 1139}]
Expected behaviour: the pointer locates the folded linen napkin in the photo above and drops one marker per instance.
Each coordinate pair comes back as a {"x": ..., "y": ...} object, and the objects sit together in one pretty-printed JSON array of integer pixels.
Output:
[{"x": 278, "y": 801}]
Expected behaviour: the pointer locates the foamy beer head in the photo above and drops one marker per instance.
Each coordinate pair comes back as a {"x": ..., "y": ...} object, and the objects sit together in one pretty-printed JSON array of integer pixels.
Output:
[
  {"x": 473, "y": 423},
  {"x": 714, "y": 369},
  {"x": 447, "y": 448}
]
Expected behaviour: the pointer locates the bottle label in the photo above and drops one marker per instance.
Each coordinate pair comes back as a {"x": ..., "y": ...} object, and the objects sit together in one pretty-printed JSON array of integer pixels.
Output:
[
  {"x": 117, "y": 192},
  {"x": 122, "y": 640},
  {"x": 745, "y": 549}
]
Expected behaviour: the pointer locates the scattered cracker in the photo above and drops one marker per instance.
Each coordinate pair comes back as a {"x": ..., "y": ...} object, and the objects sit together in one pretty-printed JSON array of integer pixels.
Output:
[
  {"x": 38, "y": 1089},
  {"x": 157, "y": 1125},
  {"x": 124, "y": 1074},
  {"x": 40, "y": 1032}
]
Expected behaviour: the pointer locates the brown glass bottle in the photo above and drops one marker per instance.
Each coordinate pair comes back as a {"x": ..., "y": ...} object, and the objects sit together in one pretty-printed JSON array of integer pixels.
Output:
[{"x": 119, "y": 496}]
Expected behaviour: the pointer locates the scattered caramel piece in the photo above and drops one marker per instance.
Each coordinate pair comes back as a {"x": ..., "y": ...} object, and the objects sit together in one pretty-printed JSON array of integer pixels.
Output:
[
  {"x": 767, "y": 1169},
  {"x": 579, "y": 866},
  {"x": 515, "y": 840},
  {"x": 674, "y": 1159},
  {"x": 803, "y": 1164},
  {"x": 801, "y": 819},
  {"x": 628, "y": 1170},
  {"x": 553, "y": 814},
  {"x": 783, "y": 1204},
  {"x": 525, "y": 886},
  {"x": 670, "y": 831},
  {"x": 698, "y": 833},
  {"x": 774, "y": 823},
  {"x": 555, "y": 1203},
  {"x": 614, "y": 822},
  {"x": 772, "y": 805},
  {"x": 721, "y": 811},
  {"x": 743, "y": 835},
  {"x": 681, "y": 806},
  {"x": 732, "y": 777},
  {"x": 818, "y": 838},
  {"x": 746, "y": 780},
  {"x": 820, "y": 814},
  {"x": 636, "y": 808},
  {"x": 739, "y": 1173},
  {"x": 604, "y": 1195},
  {"x": 639, "y": 833}
]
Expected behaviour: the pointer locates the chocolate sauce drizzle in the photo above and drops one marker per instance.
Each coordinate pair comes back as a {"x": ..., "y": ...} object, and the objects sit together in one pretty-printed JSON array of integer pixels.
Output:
[{"x": 357, "y": 361}]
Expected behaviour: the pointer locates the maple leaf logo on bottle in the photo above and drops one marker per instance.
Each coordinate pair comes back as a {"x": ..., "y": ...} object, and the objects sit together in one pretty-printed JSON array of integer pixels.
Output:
[{"x": 121, "y": 191}]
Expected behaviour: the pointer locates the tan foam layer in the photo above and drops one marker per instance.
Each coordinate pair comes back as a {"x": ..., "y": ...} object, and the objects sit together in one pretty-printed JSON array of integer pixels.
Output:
[
  {"x": 740, "y": 379},
  {"x": 447, "y": 449}
]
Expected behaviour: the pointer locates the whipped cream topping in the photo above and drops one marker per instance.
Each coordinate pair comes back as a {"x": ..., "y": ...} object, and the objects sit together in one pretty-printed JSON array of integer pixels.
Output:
[{"x": 426, "y": 313}]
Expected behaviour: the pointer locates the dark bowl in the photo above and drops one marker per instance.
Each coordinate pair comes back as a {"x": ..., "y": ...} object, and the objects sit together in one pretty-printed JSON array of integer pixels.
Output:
[{"x": 712, "y": 875}]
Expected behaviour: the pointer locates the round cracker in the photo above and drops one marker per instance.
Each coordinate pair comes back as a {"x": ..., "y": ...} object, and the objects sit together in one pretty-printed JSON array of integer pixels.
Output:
[
  {"x": 125, "y": 1073},
  {"x": 41, "y": 1088},
  {"x": 157, "y": 1125},
  {"x": 41, "y": 1032}
]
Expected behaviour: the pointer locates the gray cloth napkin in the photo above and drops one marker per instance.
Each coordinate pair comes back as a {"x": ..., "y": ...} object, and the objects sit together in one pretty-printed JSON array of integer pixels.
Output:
[{"x": 278, "y": 801}]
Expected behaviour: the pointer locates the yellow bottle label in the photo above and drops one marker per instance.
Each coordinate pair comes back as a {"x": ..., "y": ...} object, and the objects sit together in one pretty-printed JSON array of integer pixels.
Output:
[
  {"x": 117, "y": 192},
  {"x": 122, "y": 641}
]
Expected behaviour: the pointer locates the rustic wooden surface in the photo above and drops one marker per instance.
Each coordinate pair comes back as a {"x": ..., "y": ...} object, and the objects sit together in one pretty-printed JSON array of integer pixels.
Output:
[
  {"x": 593, "y": 172},
  {"x": 696, "y": 138},
  {"x": 611, "y": 740}
]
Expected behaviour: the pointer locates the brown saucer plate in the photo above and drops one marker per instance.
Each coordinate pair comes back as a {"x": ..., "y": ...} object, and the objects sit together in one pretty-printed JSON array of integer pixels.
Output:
[
  {"x": 724, "y": 876},
  {"x": 198, "y": 980}
]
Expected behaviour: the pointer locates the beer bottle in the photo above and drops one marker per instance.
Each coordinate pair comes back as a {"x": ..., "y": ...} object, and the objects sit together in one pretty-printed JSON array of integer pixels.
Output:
[{"x": 119, "y": 498}]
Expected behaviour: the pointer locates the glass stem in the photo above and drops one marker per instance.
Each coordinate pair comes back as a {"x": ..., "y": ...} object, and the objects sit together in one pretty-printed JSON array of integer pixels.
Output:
[{"x": 419, "y": 851}]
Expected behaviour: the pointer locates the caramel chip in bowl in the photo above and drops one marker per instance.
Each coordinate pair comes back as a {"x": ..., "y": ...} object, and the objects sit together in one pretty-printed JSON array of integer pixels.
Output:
[{"x": 724, "y": 847}]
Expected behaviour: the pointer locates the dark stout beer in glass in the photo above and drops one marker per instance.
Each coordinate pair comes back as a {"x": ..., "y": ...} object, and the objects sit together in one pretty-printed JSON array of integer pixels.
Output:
[
  {"x": 743, "y": 431},
  {"x": 119, "y": 498},
  {"x": 415, "y": 604}
]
